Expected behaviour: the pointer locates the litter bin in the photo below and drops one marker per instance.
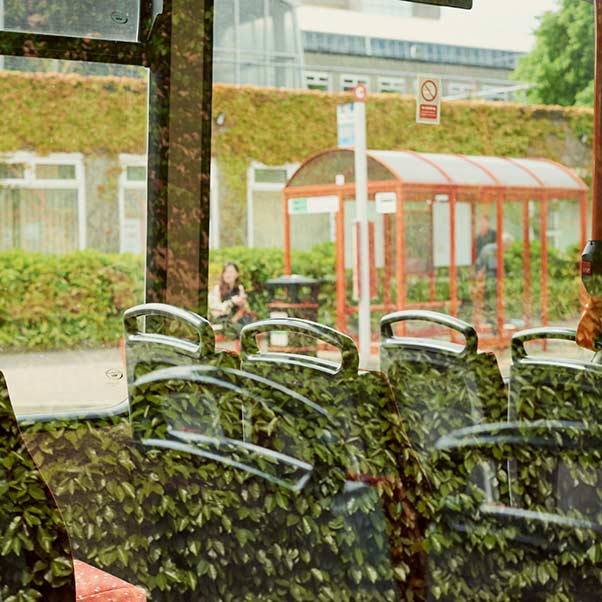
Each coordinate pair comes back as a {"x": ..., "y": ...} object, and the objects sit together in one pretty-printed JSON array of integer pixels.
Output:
[{"x": 292, "y": 296}]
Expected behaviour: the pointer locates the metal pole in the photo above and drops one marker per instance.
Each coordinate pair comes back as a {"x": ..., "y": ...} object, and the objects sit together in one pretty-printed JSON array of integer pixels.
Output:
[
  {"x": 287, "y": 235},
  {"x": 1, "y": 29},
  {"x": 341, "y": 278},
  {"x": 361, "y": 200}
]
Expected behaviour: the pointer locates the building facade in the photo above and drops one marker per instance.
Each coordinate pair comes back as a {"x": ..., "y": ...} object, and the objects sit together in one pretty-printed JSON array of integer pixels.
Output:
[{"x": 332, "y": 45}]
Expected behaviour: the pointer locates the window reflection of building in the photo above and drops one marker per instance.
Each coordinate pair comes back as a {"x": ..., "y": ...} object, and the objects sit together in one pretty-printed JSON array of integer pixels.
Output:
[
  {"x": 132, "y": 204},
  {"x": 42, "y": 202},
  {"x": 257, "y": 42}
]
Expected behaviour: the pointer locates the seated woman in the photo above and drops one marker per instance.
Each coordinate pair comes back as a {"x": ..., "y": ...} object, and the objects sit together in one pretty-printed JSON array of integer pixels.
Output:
[{"x": 228, "y": 304}]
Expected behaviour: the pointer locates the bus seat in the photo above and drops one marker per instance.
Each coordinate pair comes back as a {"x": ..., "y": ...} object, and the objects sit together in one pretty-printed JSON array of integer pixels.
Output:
[
  {"x": 376, "y": 445},
  {"x": 539, "y": 550},
  {"x": 440, "y": 386},
  {"x": 264, "y": 461},
  {"x": 38, "y": 562},
  {"x": 158, "y": 335},
  {"x": 553, "y": 387}
]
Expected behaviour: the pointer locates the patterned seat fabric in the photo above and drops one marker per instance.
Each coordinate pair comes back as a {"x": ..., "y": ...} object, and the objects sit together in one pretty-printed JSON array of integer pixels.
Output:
[{"x": 94, "y": 585}]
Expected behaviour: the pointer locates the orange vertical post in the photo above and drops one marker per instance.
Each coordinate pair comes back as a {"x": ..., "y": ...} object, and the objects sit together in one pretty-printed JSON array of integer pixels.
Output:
[
  {"x": 400, "y": 243},
  {"x": 583, "y": 237},
  {"x": 500, "y": 264},
  {"x": 544, "y": 260},
  {"x": 527, "y": 260},
  {"x": 287, "y": 235},
  {"x": 473, "y": 230},
  {"x": 453, "y": 268},
  {"x": 341, "y": 277}
]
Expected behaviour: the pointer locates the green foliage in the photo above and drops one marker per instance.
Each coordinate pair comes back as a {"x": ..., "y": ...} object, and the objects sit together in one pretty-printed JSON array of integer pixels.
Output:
[
  {"x": 35, "y": 552},
  {"x": 195, "y": 527},
  {"x": 76, "y": 300},
  {"x": 562, "y": 62},
  {"x": 107, "y": 116},
  {"x": 486, "y": 542},
  {"x": 47, "y": 113},
  {"x": 69, "y": 301}
]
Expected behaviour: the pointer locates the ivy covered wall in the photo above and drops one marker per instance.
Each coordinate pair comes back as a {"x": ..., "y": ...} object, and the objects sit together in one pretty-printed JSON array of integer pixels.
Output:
[{"x": 106, "y": 116}]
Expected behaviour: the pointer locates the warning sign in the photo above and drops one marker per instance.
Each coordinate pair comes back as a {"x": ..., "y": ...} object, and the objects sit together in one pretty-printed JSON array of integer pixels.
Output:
[{"x": 428, "y": 100}]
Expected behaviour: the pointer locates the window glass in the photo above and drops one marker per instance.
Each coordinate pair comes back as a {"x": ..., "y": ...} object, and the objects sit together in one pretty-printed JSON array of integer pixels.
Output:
[
  {"x": 72, "y": 234},
  {"x": 83, "y": 18},
  {"x": 382, "y": 399}
]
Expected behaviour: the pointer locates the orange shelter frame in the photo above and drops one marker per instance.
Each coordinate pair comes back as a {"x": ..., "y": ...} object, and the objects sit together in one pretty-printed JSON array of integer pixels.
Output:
[{"x": 488, "y": 179}]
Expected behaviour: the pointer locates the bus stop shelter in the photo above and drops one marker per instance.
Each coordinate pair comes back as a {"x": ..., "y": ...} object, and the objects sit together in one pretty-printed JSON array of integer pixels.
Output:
[{"x": 428, "y": 206}]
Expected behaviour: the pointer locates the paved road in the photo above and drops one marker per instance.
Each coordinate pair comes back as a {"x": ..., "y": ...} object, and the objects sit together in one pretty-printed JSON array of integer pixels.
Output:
[{"x": 59, "y": 381}]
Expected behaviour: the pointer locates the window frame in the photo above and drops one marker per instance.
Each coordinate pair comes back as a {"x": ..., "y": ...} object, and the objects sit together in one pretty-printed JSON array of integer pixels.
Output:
[{"x": 30, "y": 181}]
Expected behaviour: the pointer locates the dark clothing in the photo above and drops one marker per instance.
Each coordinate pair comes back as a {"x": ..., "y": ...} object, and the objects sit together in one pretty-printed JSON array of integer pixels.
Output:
[
  {"x": 487, "y": 263},
  {"x": 485, "y": 239},
  {"x": 487, "y": 260}
]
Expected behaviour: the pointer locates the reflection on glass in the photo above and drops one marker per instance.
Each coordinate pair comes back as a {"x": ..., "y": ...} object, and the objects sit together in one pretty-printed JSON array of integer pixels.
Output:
[
  {"x": 72, "y": 203},
  {"x": 82, "y": 18}
]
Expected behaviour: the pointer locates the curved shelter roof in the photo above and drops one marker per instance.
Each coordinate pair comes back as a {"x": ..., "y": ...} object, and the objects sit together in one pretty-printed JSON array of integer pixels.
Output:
[{"x": 413, "y": 168}]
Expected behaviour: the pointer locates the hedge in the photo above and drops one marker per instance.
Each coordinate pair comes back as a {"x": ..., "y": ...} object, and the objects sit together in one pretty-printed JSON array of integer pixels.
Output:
[
  {"x": 105, "y": 116},
  {"x": 68, "y": 301},
  {"x": 77, "y": 300}
]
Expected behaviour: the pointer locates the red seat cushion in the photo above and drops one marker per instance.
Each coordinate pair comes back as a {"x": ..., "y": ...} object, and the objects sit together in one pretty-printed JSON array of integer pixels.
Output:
[{"x": 94, "y": 585}]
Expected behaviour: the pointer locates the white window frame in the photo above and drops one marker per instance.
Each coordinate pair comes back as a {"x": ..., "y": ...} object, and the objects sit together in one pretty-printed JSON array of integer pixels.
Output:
[
  {"x": 30, "y": 181},
  {"x": 354, "y": 80},
  {"x": 392, "y": 82},
  {"x": 214, "y": 214},
  {"x": 125, "y": 161},
  {"x": 253, "y": 186},
  {"x": 456, "y": 88},
  {"x": 318, "y": 78}
]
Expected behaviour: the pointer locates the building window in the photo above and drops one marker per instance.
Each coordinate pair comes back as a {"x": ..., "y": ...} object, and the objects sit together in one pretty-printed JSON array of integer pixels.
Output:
[
  {"x": 132, "y": 204},
  {"x": 317, "y": 80},
  {"x": 334, "y": 43},
  {"x": 42, "y": 203},
  {"x": 460, "y": 89},
  {"x": 264, "y": 203},
  {"x": 348, "y": 82},
  {"x": 392, "y": 85}
]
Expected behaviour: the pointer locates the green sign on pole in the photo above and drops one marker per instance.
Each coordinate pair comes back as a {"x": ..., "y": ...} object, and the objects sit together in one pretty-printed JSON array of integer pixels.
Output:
[
  {"x": 297, "y": 206},
  {"x": 453, "y": 3}
]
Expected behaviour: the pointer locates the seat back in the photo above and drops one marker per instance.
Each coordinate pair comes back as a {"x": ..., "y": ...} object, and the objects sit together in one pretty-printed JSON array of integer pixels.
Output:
[
  {"x": 158, "y": 335},
  {"x": 440, "y": 386},
  {"x": 260, "y": 485},
  {"x": 376, "y": 447},
  {"x": 36, "y": 559},
  {"x": 361, "y": 401},
  {"x": 553, "y": 388},
  {"x": 539, "y": 546}
]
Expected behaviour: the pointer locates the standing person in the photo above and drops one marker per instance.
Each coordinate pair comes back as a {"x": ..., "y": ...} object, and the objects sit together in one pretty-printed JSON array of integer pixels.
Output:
[
  {"x": 486, "y": 275},
  {"x": 486, "y": 235},
  {"x": 228, "y": 303}
]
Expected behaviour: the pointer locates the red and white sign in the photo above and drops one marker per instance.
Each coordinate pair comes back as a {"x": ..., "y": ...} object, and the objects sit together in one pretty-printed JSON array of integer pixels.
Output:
[
  {"x": 360, "y": 92},
  {"x": 428, "y": 100}
]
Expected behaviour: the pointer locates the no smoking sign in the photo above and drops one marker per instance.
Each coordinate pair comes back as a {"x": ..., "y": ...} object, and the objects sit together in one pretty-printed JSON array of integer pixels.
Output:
[{"x": 428, "y": 100}]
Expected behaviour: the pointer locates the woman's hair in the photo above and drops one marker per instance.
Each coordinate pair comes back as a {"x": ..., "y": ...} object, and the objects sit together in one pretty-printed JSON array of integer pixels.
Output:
[{"x": 224, "y": 287}]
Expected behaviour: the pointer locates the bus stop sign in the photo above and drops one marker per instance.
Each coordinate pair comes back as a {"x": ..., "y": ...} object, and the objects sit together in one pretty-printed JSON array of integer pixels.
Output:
[{"x": 453, "y": 3}]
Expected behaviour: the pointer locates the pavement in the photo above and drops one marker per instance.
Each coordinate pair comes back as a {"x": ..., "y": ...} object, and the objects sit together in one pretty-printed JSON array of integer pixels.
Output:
[
  {"x": 79, "y": 381},
  {"x": 58, "y": 381}
]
